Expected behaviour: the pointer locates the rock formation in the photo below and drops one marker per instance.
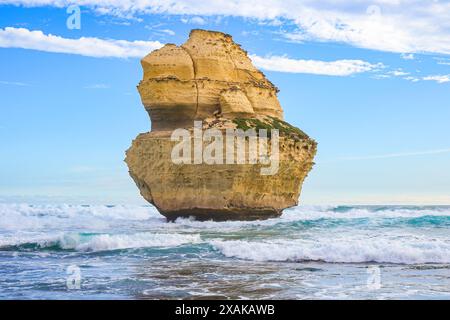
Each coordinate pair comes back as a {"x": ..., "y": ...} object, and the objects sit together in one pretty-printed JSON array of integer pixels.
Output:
[{"x": 210, "y": 78}]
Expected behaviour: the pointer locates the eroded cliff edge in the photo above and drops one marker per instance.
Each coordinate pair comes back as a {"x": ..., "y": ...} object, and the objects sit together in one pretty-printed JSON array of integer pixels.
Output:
[{"x": 211, "y": 78}]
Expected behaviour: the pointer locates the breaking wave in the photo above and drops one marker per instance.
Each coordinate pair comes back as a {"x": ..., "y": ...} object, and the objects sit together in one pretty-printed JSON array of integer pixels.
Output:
[
  {"x": 29, "y": 217},
  {"x": 338, "y": 234},
  {"x": 400, "y": 251},
  {"x": 100, "y": 242}
]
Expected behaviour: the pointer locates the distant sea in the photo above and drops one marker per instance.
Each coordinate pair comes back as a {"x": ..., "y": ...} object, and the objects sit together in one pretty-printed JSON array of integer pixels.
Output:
[{"x": 310, "y": 252}]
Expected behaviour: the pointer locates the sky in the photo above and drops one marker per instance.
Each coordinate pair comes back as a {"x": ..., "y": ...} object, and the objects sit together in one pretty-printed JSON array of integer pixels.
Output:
[{"x": 368, "y": 80}]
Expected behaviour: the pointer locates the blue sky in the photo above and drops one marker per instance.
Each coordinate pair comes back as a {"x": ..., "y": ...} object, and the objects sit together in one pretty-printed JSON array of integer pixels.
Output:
[{"x": 369, "y": 81}]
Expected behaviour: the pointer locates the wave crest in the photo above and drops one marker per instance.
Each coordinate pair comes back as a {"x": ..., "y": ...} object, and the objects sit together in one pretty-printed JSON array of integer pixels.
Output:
[
  {"x": 339, "y": 250},
  {"x": 102, "y": 242}
]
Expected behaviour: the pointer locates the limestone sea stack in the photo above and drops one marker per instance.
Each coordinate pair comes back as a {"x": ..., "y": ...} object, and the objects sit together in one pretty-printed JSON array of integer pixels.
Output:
[{"x": 211, "y": 79}]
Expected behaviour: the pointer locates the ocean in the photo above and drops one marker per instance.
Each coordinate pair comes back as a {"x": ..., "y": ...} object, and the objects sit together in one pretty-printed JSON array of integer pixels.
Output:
[{"x": 310, "y": 252}]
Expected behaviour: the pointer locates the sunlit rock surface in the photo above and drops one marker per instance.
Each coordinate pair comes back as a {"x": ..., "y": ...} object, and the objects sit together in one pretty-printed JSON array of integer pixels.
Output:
[{"x": 211, "y": 78}]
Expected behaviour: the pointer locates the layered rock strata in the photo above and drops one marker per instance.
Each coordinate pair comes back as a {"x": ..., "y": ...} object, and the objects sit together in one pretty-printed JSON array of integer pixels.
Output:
[{"x": 211, "y": 79}]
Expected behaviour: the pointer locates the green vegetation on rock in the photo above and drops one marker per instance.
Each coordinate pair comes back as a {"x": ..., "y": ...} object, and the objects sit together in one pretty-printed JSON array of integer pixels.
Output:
[{"x": 285, "y": 129}]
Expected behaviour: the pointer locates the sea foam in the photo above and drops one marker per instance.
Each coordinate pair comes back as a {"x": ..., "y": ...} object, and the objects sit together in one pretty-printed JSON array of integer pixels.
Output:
[
  {"x": 100, "y": 242},
  {"x": 392, "y": 234},
  {"x": 341, "y": 250}
]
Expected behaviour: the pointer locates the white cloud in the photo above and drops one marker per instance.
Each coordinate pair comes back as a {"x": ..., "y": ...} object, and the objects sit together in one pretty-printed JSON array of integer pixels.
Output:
[
  {"x": 381, "y": 76},
  {"x": 97, "y": 86},
  {"x": 94, "y": 47},
  {"x": 168, "y": 31},
  {"x": 194, "y": 20},
  {"x": 86, "y": 46},
  {"x": 13, "y": 83},
  {"x": 412, "y": 79},
  {"x": 398, "y": 73},
  {"x": 392, "y": 73},
  {"x": 246, "y": 33},
  {"x": 407, "y": 56},
  {"x": 160, "y": 32},
  {"x": 331, "y": 68},
  {"x": 401, "y": 26},
  {"x": 443, "y": 61},
  {"x": 438, "y": 78}
]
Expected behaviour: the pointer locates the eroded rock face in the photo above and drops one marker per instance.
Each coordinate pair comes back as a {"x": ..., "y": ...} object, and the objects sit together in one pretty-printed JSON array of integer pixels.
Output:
[
  {"x": 210, "y": 78},
  {"x": 184, "y": 83}
]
